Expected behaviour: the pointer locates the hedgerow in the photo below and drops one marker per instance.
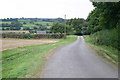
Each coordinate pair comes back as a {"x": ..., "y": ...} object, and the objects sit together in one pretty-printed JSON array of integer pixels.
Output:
[
  {"x": 106, "y": 37},
  {"x": 32, "y": 36}
]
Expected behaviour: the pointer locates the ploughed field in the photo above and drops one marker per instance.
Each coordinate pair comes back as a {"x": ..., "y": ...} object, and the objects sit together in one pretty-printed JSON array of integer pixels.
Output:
[{"x": 13, "y": 43}]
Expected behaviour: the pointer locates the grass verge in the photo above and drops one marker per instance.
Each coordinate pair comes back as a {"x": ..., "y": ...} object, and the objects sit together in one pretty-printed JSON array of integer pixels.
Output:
[
  {"x": 26, "y": 62},
  {"x": 109, "y": 53}
]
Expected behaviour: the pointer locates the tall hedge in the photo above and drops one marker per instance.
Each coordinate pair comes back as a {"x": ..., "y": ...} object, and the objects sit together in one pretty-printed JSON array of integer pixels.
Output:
[{"x": 32, "y": 36}]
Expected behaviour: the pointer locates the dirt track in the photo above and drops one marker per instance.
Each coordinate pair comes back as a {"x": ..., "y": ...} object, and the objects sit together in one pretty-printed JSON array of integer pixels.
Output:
[{"x": 13, "y": 43}]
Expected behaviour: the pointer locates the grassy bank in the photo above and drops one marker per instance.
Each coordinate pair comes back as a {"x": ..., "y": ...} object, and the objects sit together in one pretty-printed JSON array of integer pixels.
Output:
[
  {"x": 25, "y": 62},
  {"x": 109, "y": 53}
]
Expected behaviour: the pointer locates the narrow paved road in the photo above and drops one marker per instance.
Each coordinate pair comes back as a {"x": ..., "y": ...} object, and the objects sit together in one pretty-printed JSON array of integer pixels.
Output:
[{"x": 77, "y": 60}]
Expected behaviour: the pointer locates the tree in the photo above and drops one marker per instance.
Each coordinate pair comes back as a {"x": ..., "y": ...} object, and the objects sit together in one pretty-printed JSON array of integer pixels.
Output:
[
  {"x": 57, "y": 28},
  {"x": 104, "y": 16},
  {"x": 109, "y": 14},
  {"x": 76, "y": 25},
  {"x": 16, "y": 24},
  {"x": 93, "y": 21}
]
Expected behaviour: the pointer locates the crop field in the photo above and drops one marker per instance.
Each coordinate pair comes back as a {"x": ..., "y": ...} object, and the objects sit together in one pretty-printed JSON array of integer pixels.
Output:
[{"x": 13, "y": 43}]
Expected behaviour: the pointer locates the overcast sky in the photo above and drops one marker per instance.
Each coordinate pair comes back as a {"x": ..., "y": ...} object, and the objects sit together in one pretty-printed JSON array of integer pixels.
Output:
[{"x": 45, "y": 8}]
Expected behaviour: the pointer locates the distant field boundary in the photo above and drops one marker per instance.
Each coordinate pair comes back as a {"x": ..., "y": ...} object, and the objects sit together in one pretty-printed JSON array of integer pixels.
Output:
[{"x": 33, "y": 36}]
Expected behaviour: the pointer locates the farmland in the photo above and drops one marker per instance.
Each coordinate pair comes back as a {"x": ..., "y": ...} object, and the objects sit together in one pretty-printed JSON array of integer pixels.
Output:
[
  {"x": 28, "y": 25},
  {"x": 28, "y": 61},
  {"x": 25, "y": 55},
  {"x": 13, "y": 43},
  {"x": 83, "y": 44}
]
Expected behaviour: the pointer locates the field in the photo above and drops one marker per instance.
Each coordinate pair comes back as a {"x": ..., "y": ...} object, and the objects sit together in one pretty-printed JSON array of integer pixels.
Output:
[
  {"x": 13, "y": 43},
  {"x": 28, "y": 61},
  {"x": 40, "y": 23},
  {"x": 5, "y": 22}
]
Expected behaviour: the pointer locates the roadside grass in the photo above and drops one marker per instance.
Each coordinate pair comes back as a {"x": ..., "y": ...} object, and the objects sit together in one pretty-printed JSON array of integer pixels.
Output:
[
  {"x": 26, "y": 62},
  {"x": 107, "y": 52}
]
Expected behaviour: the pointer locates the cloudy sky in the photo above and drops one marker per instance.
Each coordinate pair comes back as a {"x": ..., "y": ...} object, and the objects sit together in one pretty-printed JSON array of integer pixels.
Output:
[{"x": 45, "y": 8}]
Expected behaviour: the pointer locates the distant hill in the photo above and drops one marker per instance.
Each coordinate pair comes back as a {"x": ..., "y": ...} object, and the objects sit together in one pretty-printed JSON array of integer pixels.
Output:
[{"x": 31, "y": 24}]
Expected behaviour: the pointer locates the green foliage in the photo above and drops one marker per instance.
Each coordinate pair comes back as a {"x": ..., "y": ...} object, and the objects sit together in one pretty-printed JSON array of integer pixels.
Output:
[
  {"x": 70, "y": 30},
  {"x": 60, "y": 28},
  {"x": 106, "y": 37},
  {"x": 104, "y": 16},
  {"x": 77, "y": 26},
  {"x": 104, "y": 22},
  {"x": 110, "y": 12},
  {"x": 57, "y": 28},
  {"x": 93, "y": 21}
]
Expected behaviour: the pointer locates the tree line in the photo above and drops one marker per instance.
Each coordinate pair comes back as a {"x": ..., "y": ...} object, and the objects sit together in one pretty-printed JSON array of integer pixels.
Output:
[
  {"x": 102, "y": 24},
  {"x": 106, "y": 15},
  {"x": 76, "y": 26}
]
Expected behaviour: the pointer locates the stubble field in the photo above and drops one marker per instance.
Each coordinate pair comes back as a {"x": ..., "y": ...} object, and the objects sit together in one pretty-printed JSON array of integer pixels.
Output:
[{"x": 14, "y": 43}]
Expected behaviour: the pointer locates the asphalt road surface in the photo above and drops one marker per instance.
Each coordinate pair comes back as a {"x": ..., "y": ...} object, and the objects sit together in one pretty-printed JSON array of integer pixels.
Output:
[{"x": 78, "y": 60}]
